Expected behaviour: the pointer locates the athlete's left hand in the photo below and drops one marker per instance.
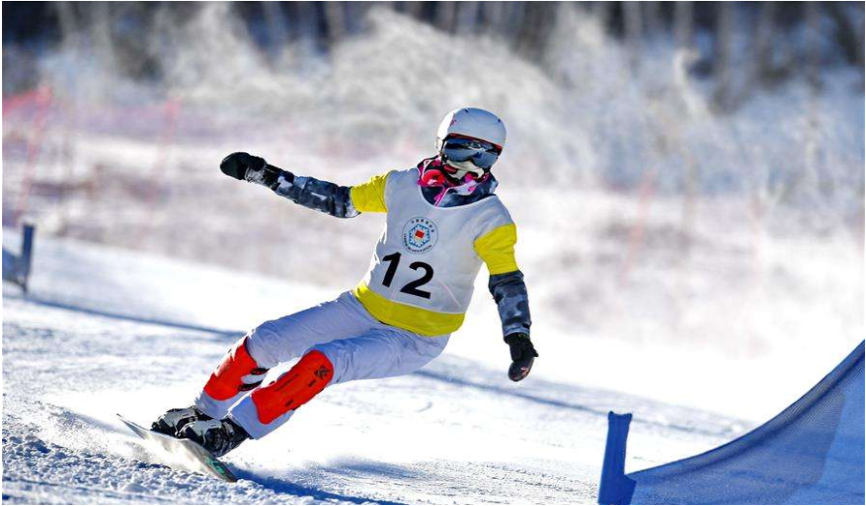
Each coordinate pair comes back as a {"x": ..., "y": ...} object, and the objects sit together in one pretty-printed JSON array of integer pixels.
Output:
[{"x": 522, "y": 355}]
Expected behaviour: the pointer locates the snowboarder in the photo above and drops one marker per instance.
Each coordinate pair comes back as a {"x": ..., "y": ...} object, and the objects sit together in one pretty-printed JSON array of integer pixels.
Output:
[{"x": 443, "y": 220}]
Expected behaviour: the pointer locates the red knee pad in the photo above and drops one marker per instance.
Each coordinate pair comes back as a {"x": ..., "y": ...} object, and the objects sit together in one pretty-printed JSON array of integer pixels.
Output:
[
  {"x": 227, "y": 380},
  {"x": 295, "y": 388}
]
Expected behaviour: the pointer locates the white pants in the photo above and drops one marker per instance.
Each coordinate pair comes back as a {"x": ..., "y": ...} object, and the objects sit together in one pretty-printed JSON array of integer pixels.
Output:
[{"x": 358, "y": 346}]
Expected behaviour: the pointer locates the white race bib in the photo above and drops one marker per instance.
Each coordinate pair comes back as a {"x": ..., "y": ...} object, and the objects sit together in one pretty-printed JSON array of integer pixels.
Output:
[{"x": 426, "y": 255}]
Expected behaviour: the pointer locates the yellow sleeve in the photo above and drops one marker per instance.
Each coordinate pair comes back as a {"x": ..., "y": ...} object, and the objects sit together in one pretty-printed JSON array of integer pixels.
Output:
[
  {"x": 496, "y": 248},
  {"x": 369, "y": 197}
]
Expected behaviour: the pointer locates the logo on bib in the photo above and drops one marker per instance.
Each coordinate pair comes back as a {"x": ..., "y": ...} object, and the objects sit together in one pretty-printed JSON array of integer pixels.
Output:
[{"x": 419, "y": 235}]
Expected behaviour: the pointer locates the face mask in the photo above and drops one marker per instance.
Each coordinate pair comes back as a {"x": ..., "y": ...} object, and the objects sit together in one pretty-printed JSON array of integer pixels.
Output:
[{"x": 437, "y": 174}]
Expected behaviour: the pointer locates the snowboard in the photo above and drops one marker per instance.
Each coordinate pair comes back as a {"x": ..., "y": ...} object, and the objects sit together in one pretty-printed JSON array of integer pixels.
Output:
[{"x": 182, "y": 453}]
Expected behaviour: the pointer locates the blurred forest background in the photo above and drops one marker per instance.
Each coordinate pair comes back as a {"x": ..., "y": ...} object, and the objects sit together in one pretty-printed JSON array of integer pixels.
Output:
[
  {"x": 697, "y": 166},
  {"x": 785, "y": 38}
]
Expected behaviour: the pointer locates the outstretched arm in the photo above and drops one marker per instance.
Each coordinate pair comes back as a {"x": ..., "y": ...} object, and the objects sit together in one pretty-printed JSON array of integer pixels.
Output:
[{"x": 309, "y": 192}]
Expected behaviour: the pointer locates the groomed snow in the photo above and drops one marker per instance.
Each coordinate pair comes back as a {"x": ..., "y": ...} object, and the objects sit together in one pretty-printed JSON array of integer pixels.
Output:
[{"x": 107, "y": 331}]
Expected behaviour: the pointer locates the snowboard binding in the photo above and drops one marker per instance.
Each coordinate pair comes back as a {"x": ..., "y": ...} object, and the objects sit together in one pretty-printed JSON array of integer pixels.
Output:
[
  {"x": 216, "y": 436},
  {"x": 174, "y": 420}
]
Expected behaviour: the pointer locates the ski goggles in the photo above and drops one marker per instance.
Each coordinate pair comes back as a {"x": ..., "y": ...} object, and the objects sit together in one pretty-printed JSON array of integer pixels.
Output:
[{"x": 464, "y": 149}]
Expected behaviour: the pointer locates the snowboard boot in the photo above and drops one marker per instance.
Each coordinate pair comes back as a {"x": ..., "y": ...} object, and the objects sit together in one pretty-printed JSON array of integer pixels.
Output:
[
  {"x": 216, "y": 436},
  {"x": 174, "y": 420}
]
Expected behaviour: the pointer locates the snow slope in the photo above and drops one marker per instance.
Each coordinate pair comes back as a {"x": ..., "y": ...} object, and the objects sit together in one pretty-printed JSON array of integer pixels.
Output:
[{"x": 107, "y": 331}]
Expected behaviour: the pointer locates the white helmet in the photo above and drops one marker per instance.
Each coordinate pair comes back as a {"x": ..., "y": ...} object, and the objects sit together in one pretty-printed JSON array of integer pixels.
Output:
[{"x": 472, "y": 122}]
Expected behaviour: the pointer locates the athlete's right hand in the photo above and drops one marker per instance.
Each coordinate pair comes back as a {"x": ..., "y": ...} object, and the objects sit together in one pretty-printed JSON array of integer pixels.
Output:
[
  {"x": 242, "y": 165},
  {"x": 522, "y": 355}
]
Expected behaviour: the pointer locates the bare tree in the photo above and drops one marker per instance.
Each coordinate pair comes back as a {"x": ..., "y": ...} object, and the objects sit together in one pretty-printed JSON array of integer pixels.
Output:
[
  {"x": 276, "y": 25},
  {"x": 652, "y": 17},
  {"x": 601, "y": 11},
  {"x": 813, "y": 33},
  {"x": 722, "y": 61},
  {"x": 849, "y": 30},
  {"x": 515, "y": 17},
  {"x": 633, "y": 31},
  {"x": 69, "y": 28},
  {"x": 306, "y": 20},
  {"x": 467, "y": 16},
  {"x": 414, "y": 9},
  {"x": 335, "y": 16},
  {"x": 764, "y": 63},
  {"x": 534, "y": 34},
  {"x": 862, "y": 51},
  {"x": 684, "y": 24},
  {"x": 102, "y": 23},
  {"x": 494, "y": 15},
  {"x": 446, "y": 13}
]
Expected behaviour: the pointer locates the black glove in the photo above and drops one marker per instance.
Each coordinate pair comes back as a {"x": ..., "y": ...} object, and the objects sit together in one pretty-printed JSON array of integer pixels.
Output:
[
  {"x": 242, "y": 166},
  {"x": 522, "y": 355}
]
